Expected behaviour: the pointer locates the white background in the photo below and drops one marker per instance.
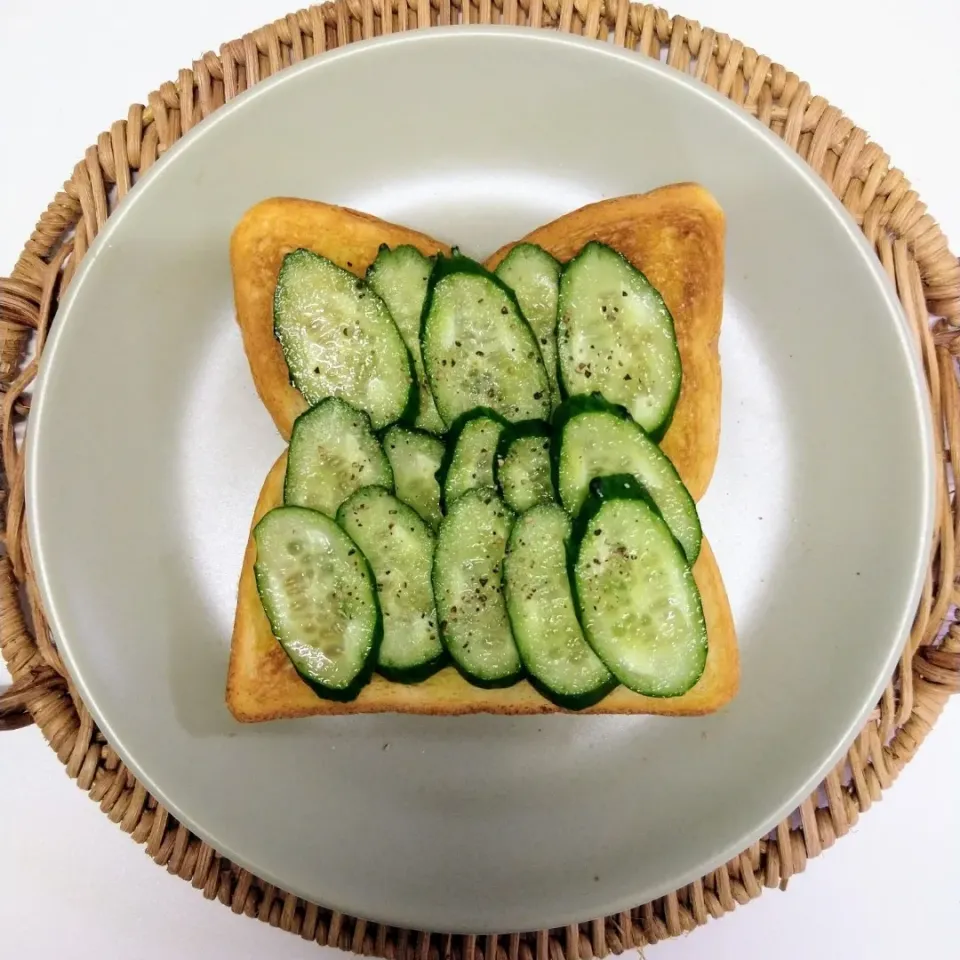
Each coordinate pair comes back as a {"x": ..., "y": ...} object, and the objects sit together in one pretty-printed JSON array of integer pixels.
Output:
[{"x": 73, "y": 886}]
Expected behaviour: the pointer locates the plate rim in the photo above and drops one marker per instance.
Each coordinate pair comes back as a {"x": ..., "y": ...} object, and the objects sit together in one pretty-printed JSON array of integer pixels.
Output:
[{"x": 736, "y": 113}]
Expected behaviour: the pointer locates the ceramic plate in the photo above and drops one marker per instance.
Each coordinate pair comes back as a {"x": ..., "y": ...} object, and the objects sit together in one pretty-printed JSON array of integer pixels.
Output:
[{"x": 148, "y": 446}]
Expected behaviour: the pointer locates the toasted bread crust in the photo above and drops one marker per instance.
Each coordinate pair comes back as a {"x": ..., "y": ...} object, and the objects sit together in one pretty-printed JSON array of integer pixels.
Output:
[
  {"x": 260, "y": 241},
  {"x": 675, "y": 236},
  {"x": 263, "y": 685}
]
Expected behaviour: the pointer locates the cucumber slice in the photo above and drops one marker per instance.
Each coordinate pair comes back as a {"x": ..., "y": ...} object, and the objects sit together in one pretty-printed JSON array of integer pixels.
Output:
[
  {"x": 593, "y": 438},
  {"x": 399, "y": 547},
  {"x": 318, "y": 593},
  {"x": 471, "y": 450},
  {"x": 552, "y": 647},
  {"x": 636, "y": 596},
  {"x": 478, "y": 350},
  {"x": 339, "y": 339},
  {"x": 415, "y": 458},
  {"x": 400, "y": 277},
  {"x": 534, "y": 276},
  {"x": 333, "y": 452},
  {"x": 615, "y": 336},
  {"x": 467, "y": 575},
  {"x": 523, "y": 465}
]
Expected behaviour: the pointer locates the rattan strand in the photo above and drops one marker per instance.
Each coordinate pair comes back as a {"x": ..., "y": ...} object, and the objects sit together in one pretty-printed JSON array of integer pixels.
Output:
[{"x": 908, "y": 243}]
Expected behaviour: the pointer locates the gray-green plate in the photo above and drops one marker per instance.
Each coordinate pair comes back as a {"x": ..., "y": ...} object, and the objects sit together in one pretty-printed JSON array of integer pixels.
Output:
[{"x": 148, "y": 445}]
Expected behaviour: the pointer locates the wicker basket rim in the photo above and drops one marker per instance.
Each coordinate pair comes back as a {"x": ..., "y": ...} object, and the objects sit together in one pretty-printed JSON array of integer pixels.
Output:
[{"x": 909, "y": 245}]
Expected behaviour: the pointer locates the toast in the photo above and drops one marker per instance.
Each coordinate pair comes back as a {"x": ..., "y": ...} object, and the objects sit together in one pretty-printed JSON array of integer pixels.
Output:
[
  {"x": 263, "y": 685},
  {"x": 266, "y": 234},
  {"x": 675, "y": 236}
]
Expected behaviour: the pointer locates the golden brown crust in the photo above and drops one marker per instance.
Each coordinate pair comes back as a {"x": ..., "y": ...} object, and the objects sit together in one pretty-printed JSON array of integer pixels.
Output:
[
  {"x": 675, "y": 235},
  {"x": 263, "y": 685},
  {"x": 260, "y": 241}
]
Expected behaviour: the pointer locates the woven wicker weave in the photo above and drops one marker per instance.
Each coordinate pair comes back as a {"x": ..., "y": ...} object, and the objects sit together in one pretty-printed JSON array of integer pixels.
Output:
[{"x": 908, "y": 243}]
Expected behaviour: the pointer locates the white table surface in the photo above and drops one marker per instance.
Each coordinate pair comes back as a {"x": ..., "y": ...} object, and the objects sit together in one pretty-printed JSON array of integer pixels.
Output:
[{"x": 72, "y": 885}]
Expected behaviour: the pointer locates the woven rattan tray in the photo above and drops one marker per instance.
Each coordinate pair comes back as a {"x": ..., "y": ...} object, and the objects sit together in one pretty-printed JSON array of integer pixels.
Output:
[{"x": 908, "y": 243}]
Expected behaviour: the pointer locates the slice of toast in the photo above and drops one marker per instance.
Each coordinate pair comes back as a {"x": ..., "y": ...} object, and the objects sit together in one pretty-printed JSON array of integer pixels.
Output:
[
  {"x": 675, "y": 236},
  {"x": 263, "y": 685},
  {"x": 260, "y": 241}
]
